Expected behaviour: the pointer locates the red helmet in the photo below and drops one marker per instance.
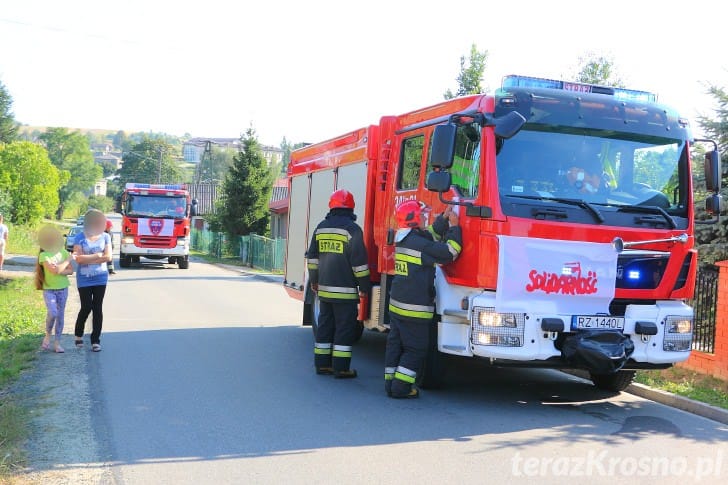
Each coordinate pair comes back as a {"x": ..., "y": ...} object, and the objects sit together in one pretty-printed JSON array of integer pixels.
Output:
[
  {"x": 341, "y": 199},
  {"x": 109, "y": 225},
  {"x": 409, "y": 213}
]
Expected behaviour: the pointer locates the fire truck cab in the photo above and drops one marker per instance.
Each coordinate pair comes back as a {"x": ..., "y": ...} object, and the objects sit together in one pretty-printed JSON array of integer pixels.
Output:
[
  {"x": 576, "y": 204},
  {"x": 155, "y": 223}
]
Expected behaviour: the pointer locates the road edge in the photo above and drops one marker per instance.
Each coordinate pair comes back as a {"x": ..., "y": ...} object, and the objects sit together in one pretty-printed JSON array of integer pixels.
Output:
[
  {"x": 666, "y": 398},
  {"x": 266, "y": 277}
]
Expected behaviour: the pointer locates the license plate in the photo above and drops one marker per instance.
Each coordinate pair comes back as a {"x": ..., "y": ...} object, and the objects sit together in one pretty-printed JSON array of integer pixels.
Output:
[
  {"x": 597, "y": 322},
  {"x": 154, "y": 251}
]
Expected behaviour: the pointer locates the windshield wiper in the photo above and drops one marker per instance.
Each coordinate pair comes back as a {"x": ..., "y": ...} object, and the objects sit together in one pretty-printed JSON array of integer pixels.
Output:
[
  {"x": 653, "y": 209},
  {"x": 577, "y": 202}
]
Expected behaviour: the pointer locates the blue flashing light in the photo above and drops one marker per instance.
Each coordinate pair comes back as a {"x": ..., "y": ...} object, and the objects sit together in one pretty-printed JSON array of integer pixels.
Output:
[
  {"x": 515, "y": 81},
  {"x": 134, "y": 185},
  {"x": 633, "y": 275}
]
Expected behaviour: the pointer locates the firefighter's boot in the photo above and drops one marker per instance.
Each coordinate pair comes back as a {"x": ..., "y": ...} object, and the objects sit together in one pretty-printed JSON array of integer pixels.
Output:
[
  {"x": 341, "y": 360},
  {"x": 322, "y": 358}
]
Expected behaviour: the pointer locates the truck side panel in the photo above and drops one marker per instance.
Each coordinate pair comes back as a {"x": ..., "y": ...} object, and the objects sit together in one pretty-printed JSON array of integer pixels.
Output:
[
  {"x": 352, "y": 178},
  {"x": 322, "y": 185},
  {"x": 296, "y": 241}
]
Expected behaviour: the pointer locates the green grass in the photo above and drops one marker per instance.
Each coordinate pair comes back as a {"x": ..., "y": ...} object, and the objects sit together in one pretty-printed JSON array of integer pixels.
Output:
[
  {"x": 21, "y": 316},
  {"x": 21, "y": 240},
  {"x": 13, "y": 432},
  {"x": 21, "y": 308},
  {"x": 687, "y": 383}
]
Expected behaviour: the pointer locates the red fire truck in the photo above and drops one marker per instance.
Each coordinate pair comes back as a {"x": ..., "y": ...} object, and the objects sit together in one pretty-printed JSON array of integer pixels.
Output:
[
  {"x": 576, "y": 203},
  {"x": 155, "y": 223}
]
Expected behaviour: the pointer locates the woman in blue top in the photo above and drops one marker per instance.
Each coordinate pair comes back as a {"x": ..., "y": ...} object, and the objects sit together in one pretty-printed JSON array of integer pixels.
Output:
[{"x": 91, "y": 252}]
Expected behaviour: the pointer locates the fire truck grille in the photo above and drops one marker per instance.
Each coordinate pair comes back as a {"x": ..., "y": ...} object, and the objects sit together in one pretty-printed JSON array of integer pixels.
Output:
[{"x": 155, "y": 242}]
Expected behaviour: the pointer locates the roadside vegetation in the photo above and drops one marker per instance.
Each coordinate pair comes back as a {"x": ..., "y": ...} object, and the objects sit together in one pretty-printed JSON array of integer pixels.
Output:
[
  {"x": 21, "y": 311},
  {"x": 687, "y": 383}
]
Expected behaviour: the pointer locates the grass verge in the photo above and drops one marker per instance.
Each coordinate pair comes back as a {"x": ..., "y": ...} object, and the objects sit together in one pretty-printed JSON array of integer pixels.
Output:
[
  {"x": 21, "y": 239},
  {"x": 687, "y": 383},
  {"x": 21, "y": 311}
]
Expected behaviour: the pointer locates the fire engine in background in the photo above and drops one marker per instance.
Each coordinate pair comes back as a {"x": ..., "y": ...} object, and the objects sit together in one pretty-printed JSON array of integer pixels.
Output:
[
  {"x": 155, "y": 223},
  {"x": 576, "y": 204}
]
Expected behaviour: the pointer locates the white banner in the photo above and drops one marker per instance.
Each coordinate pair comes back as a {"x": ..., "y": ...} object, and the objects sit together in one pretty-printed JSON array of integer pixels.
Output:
[
  {"x": 554, "y": 276},
  {"x": 156, "y": 227}
]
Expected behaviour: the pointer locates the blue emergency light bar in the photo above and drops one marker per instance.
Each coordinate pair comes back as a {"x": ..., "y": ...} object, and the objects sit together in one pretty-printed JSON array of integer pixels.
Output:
[
  {"x": 515, "y": 81},
  {"x": 134, "y": 185}
]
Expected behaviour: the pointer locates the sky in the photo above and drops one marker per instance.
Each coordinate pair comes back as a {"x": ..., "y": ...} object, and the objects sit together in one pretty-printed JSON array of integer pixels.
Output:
[{"x": 311, "y": 70}]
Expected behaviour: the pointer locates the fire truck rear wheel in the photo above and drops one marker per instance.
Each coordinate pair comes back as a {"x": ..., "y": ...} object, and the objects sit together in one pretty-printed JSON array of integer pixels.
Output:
[
  {"x": 619, "y": 381},
  {"x": 183, "y": 263},
  {"x": 432, "y": 374}
]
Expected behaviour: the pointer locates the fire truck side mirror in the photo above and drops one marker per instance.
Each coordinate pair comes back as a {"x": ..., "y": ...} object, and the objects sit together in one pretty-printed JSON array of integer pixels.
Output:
[
  {"x": 713, "y": 171},
  {"x": 442, "y": 151},
  {"x": 193, "y": 208},
  {"x": 714, "y": 205},
  {"x": 508, "y": 125},
  {"x": 439, "y": 181}
]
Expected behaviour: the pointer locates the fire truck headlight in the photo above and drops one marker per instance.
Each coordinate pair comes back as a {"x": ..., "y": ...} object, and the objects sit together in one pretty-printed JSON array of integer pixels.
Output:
[
  {"x": 181, "y": 241},
  {"x": 127, "y": 240},
  {"x": 492, "y": 328},
  {"x": 679, "y": 324},
  {"x": 678, "y": 334}
]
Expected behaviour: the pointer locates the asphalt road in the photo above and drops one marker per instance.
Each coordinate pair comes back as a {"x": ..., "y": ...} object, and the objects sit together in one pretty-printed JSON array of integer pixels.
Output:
[{"x": 206, "y": 377}]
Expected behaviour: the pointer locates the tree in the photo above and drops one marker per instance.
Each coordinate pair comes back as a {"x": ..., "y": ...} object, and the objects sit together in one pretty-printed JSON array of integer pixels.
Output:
[
  {"x": 150, "y": 161},
  {"x": 8, "y": 125},
  {"x": 30, "y": 180},
  {"x": 70, "y": 152},
  {"x": 471, "y": 74},
  {"x": 711, "y": 237},
  {"x": 598, "y": 69},
  {"x": 243, "y": 206}
]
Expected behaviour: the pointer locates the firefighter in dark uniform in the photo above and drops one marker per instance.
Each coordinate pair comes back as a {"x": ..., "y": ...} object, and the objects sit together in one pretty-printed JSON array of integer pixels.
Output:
[
  {"x": 339, "y": 273},
  {"x": 412, "y": 296}
]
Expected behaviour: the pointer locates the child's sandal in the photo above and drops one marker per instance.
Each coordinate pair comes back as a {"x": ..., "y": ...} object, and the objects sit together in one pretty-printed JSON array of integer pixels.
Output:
[{"x": 79, "y": 344}]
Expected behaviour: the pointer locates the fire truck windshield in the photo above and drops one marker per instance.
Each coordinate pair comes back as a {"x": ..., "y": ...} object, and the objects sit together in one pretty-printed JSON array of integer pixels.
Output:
[
  {"x": 156, "y": 206},
  {"x": 626, "y": 171}
]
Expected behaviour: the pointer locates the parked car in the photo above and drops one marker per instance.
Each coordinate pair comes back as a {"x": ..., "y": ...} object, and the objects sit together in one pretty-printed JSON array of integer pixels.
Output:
[{"x": 71, "y": 235}]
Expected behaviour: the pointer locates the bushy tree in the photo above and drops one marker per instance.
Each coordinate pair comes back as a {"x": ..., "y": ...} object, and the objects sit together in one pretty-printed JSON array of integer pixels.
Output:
[
  {"x": 243, "y": 206},
  {"x": 598, "y": 69},
  {"x": 30, "y": 180},
  {"x": 69, "y": 151},
  {"x": 8, "y": 125},
  {"x": 470, "y": 78},
  {"x": 150, "y": 161}
]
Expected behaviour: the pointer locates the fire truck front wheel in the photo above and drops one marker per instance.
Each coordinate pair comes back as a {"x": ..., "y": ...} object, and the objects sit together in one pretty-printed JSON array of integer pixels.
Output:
[
  {"x": 124, "y": 260},
  {"x": 432, "y": 374},
  {"x": 619, "y": 381},
  {"x": 183, "y": 262}
]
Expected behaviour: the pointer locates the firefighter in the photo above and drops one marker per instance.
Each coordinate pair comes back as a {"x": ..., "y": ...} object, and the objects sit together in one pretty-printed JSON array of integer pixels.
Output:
[
  {"x": 339, "y": 273},
  {"x": 412, "y": 296}
]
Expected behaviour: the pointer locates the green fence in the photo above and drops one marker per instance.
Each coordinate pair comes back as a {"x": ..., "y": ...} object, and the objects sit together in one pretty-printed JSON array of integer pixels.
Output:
[{"x": 253, "y": 250}]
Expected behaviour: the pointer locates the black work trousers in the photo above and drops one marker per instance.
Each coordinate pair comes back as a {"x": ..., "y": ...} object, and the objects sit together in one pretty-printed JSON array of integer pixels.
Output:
[
  {"x": 335, "y": 334},
  {"x": 407, "y": 344},
  {"x": 92, "y": 299}
]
